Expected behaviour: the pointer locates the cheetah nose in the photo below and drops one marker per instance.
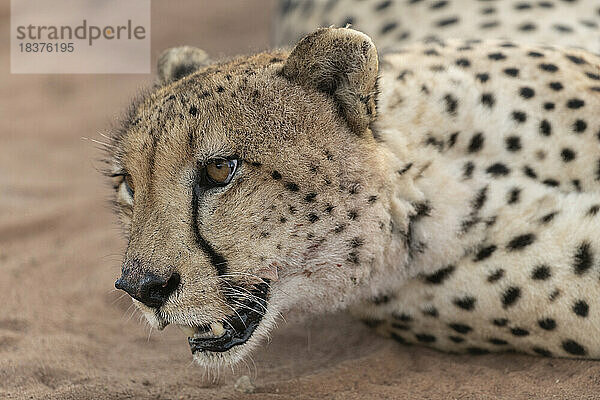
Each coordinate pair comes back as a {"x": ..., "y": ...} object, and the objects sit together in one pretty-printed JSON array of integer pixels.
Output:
[{"x": 150, "y": 289}]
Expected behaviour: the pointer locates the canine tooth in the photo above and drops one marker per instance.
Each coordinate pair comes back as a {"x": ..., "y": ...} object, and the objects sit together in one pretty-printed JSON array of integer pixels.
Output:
[
  {"x": 188, "y": 330},
  {"x": 217, "y": 328}
]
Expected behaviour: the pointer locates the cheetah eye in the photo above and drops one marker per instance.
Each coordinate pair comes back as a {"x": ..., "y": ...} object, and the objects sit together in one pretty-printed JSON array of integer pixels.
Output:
[
  {"x": 219, "y": 172},
  {"x": 125, "y": 190}
]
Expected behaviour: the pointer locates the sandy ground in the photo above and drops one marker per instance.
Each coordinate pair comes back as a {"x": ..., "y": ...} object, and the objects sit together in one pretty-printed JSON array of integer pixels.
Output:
[{"x": 65, "y": 333}]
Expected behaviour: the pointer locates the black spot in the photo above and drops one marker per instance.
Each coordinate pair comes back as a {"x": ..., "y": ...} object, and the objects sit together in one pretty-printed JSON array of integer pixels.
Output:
[
  {"x": 383, "y": 5},
  {"x": 489, "y": 24},
  {"x": 592, "y": 76},
  {"x": 352, "y": 215},
  {"x": 548, "y": 217},
  {"x": 510, "y": 296},
  {"x": 402, "y": 317},
  {"x": 562, "y": 28},
  {"x": 579, "y": 126},
  {"x": 372, "y": 323},
  {"x": 283, "y": 220},
  {"x": 476, "y": 351},
  {"x": 356, "y": 242},
  {"x": 309, "y": 198},
  {"x": 485, "y": 252},
  {"x": 405, "y": 169},
  {"x": 547, "y": 324},
  {"x": 556, "y": 86},
  {"x": 496, "y": 56},
  {"x": 483, "y": 77},
  {"x": 447, "y": 21},
  {"x": 495, "y": 276},
  {"x": 431, "y": 312},
  {"x": 526, "y": 92},
  {"x": 388, "y": 27},
  {"x": 440, "y": 275},
  {"x": 522, "y": 6},
  {"x": 584, "y": 258},
  {"x": 513, "y": 143},
  {"x": 500, "y": 321},
  {"x": 541, "y": 273},
  {"x": 527, "y": 27},
  {"x": 398, "y": 338},
  {"x": 461, "y": 328},
  {"x": 498, "y": 342},
  {"x": 425, "y": 338},
  {"x": 535, "y": 54},
  {"x": 353, "y": 257},
  {"x": 593, "y": 210},
  {"x": 402, "y": 327},
  {"x": 439, "y": 4},
  {"x": 468, "y": 169},
  {"x": 456, "y": 339},
  {"x": 548, "y": 67},
  {"x": 382, "y": 299},
  {"x": 519, "y": 116},
  {"x": 581, "y": 308},
  {"x": 498, "y": 169},
  {"x": 575, "y": 103},
  {"x": 551, "y": 182},
  {"x": 476, "y": 143},
  {"x": 466, "y": 303},
  {"x": 545, "y": 128},
  {"x": 276, "y": 175},
  {"x": 312, "y": 217},
  {"x": 513, "y": 195},
  {"x": 529, "y": 172},
  {"x": 329, "y": 208},
  {"x": 542, "y": 352},
  {"x": 292, "y": 187},
  {"x": 488, "y": 10},
  {"x": 574, "y": 348},
  {"x": 548, "y": 106},
  {"x": 513, "y": 72},
  {"x": 193, "y": 110},
  {"x": 451, "y": 104},
  {"x": 567, "y": 155},
  {"x": 480, "y": 198},
  {"x": 463, "y": 62},
  {"x": 519, "y": 332},
  {"x": 452, "y": 139},
  {"x": 520, "y": 242},
  {"x": 487, "y": 99}
]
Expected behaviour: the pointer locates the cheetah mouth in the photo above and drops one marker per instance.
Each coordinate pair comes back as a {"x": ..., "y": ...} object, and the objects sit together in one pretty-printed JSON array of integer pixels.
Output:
[{"x": 233, "y": 330}]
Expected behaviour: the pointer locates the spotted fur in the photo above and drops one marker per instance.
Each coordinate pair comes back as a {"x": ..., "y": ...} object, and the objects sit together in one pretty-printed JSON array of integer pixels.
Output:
[{"x": 446, "y": 193}]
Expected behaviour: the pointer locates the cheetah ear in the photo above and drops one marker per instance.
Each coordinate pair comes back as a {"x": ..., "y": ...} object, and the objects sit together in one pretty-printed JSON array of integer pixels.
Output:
[
  {"x": 177, "y": 62},
  {"x": 343, "y": 63}
]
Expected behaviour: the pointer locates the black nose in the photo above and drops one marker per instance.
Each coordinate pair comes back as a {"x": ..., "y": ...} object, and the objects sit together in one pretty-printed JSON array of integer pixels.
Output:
[{"x": 150, "y": 289}]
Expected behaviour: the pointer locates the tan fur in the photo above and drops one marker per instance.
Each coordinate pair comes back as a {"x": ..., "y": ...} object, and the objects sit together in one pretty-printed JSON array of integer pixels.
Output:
[{"x": 339, "y": 206}]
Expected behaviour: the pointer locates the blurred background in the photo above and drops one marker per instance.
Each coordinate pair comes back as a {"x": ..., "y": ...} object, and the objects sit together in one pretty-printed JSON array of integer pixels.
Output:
[{"x": 66, "y": 333}]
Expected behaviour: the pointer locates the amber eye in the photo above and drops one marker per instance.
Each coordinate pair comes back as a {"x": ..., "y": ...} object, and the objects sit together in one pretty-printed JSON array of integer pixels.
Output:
[
  {"x": 220, "y": 171},
  {"x": 128, "y": 184}
]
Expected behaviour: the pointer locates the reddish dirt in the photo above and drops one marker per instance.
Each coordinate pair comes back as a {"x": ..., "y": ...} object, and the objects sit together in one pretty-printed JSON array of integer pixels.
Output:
[{"x": 66, "y": 334}]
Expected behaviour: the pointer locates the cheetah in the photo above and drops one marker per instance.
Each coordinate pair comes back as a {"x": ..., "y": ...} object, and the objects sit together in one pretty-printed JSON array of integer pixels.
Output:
[{"x": 446, "y": 194}]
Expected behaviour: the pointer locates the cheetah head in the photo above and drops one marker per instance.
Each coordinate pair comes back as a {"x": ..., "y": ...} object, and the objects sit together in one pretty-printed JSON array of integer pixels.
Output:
[{"x": 251, "y": 186}]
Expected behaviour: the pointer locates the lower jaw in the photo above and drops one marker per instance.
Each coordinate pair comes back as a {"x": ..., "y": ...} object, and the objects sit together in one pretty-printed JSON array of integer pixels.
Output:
[{"x": 238, "y": 328}]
